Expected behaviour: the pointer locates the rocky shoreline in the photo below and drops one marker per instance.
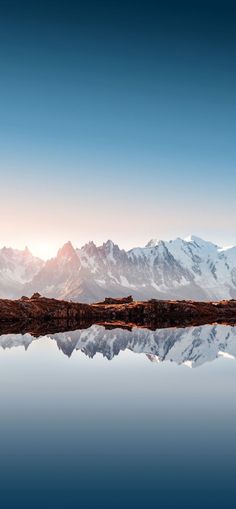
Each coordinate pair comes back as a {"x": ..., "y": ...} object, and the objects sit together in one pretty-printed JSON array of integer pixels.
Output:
[{"x": 43, "y": 314}]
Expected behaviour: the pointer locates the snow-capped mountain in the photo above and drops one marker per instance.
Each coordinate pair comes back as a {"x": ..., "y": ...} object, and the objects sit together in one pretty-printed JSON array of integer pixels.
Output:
[
  {"x": 16, "y": 268},
  {"x": 191, "y": 346},
  {"x": 178, "y": 269},
  {"x": 58, "y": 275}
]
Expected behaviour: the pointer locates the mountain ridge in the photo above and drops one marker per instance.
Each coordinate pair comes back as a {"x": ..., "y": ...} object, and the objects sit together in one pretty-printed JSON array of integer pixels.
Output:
[{"x": 190, "y": 268}]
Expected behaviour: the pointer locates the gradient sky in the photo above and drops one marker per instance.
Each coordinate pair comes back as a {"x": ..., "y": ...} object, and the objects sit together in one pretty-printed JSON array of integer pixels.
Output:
[{"x": 117, "y": 120}]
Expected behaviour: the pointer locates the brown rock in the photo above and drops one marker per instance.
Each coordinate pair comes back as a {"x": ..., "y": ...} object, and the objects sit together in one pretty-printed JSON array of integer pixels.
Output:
[{"x": 35, "y": 296}]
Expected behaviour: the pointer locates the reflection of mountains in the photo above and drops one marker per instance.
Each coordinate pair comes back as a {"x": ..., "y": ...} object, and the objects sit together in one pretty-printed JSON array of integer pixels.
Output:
[{"x": 192, "y": 346}]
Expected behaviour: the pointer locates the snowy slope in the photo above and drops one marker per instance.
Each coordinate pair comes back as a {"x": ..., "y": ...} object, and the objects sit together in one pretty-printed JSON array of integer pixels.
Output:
[
  {"x": 201, "y": 268},
  {"x": 16, "y": 268},
  {"x": 189, "y": 268}
]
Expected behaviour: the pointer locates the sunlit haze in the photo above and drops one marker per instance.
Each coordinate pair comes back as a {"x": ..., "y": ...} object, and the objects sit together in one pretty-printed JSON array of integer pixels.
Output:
[{"x": 107, "y": 136}]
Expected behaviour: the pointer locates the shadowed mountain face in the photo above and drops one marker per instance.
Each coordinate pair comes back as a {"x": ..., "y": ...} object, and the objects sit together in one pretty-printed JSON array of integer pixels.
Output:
[
  {"x": 178, "y": 269},
  {"x": 192, "y": 346}
]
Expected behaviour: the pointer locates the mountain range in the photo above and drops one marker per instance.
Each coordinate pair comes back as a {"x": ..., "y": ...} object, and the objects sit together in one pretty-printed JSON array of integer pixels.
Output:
[
  {"x": 190, "y": 268},
  {"x": 191, "y": 346}
]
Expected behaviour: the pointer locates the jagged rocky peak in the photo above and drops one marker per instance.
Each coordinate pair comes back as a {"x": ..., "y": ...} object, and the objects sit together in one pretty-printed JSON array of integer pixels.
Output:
[
  {"x": 6, "y": 249},
  {"x": 157, "y": 243},
  {"x": 152, "y": 243},
  {"x": 109, "y": 245},
  {"x": 67, "y": 251},
  {"x": 27, "y": 252},
  {"x": 11, "y": 251},
  {"x": 90, "y": 248},
  {"x": 111, "y": 250}
]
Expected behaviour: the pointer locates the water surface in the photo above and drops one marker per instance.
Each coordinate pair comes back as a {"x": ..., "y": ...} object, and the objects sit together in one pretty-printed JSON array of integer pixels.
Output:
[{"x": 118, "y": 418}]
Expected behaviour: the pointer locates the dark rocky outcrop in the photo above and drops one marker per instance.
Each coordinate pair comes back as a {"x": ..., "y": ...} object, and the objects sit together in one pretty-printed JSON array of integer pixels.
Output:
[
  {"x": 122, "y": 300},
  {"x": 35, "y": 295},
  {"x": 41, "y": 308},
  {"x": 40, "y": 313}
]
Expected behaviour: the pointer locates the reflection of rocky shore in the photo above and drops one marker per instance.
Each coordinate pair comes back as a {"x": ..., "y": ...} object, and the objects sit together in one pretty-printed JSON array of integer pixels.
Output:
[
  {"x": 41, "y": 328},
  {"x": 192, "y": 346},
  {"x": 40, "y": 314}
]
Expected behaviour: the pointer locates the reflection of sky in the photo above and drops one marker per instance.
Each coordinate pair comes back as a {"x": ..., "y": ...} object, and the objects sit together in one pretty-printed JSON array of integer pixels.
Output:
[{"x": 90, "y": 424}]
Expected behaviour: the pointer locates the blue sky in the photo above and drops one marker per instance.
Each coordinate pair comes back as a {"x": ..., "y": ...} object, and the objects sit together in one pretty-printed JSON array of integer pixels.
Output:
[{"x": 117, "y": 119}]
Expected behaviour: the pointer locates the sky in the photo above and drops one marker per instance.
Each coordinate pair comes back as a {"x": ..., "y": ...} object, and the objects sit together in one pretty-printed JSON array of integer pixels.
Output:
[{"x": 117, "y": 120}]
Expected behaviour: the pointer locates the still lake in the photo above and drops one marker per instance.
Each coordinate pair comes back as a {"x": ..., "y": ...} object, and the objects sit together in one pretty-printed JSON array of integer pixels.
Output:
[{"x": 119, "y": 418}]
